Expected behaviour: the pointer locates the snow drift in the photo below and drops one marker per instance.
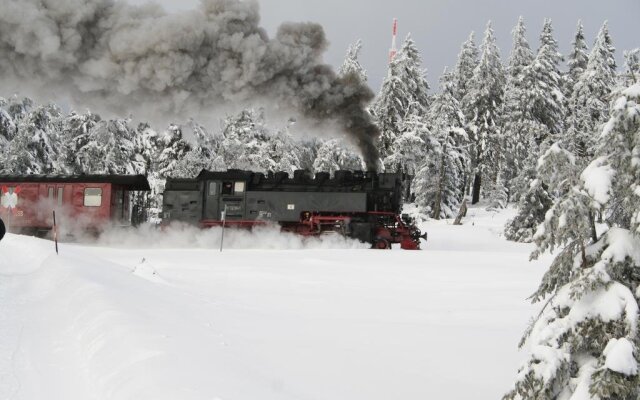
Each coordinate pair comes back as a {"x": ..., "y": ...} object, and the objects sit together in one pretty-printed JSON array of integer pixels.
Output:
[{"x": 196, "y": 324}]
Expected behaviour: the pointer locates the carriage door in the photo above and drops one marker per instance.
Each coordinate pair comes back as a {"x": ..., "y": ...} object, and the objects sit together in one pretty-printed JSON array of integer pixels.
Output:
[
  {"x": 119, "y": 208},
  {"x": 51, "y": 193},
  {"x": 55, "y": 199},
  {"x": 55, "y": 196},
  {"x": 212, "y": 201}
]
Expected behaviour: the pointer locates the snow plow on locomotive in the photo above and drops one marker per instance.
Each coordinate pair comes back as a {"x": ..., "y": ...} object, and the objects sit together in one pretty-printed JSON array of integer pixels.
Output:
[{"x": 363, "y": 206}]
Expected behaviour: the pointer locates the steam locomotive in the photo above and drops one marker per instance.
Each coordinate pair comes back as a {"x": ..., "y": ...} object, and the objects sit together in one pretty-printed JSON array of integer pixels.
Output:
[{"x": 363, "y": 206}]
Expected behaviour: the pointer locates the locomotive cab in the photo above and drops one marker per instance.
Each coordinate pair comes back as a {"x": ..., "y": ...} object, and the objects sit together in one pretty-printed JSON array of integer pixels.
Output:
[
  {"x": 224, "y": 192},
  {"x": 225, "y": 195}
]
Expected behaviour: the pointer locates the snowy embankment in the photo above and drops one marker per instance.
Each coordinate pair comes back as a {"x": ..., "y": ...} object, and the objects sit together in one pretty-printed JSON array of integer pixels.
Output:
[{"x": 193, "y": 323}]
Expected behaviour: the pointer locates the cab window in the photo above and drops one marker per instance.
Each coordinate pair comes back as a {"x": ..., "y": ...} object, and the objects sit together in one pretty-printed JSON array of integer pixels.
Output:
[
  {"x": 239, "y": 187},
  {"x": 227, "y": 188},
  {"x": 213, "y": 189},
  {"x": 92, "y": 197}
]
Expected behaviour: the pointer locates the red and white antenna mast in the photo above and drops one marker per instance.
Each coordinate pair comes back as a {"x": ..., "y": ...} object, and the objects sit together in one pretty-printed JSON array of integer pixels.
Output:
[{"x": 394, "y": 48}]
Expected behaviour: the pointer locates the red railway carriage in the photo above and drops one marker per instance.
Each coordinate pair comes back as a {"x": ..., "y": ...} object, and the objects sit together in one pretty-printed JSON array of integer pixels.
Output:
[{"x": 88, "y": 202}]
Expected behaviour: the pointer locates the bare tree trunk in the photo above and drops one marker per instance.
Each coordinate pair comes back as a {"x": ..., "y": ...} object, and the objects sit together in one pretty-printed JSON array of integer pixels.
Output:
[
  {"x": 465, "y": 184},
  {"x": 583, "y": 252},
  {"x": 438, "y": 200},
  {"x": 477, "y": 183},
  {"x": 592, "y": 222},
  {"x": 462, "y": 213}
]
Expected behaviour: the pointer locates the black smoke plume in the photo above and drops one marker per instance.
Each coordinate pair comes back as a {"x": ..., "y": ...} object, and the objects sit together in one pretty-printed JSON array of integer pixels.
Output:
[{"x": 139, "y": 59}]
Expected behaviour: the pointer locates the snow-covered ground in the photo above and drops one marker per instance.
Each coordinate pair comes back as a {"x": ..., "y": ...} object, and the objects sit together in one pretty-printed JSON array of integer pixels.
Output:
[{"x": 189, "y": 322}]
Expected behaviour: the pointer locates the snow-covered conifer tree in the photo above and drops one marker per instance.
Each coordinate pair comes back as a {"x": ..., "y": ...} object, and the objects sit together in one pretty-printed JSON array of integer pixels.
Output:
[
  {"x": 439, "y": 184},
  {"x": 542, "y": 120},
  {"x": 108, "y": 148},
  {"x": 76, "y": 130},
  {"x": 147, "y": 147},
  {"x": 334, "y": 155},
  {"x": 521, "y": 54},
  {"x": 577, "y": 62},
  {"x": 210, "y": 143},
  {"x": 121, "y": 156},
  {"x": 172, "y": 148},
  {"x": 413, "y": 75},
  {"x": 36, "y": 144},
  {"x": 516, "y": 113},
  {"x": 497, "y": 192},
  {"x": 533, "y": 205},
  {"x": 8, "y": 128},
  {"x": 18, "y": 158},
  {"x": 404, "y": 92},
  {"x": 205, "y": 153},
  {"x": 192, "y": 163},
  {"x": 307, "y": 149},
  {"x": 545, "y": 179},
  {"x": 545, "y": 82},
  {"x": 351, "y": 64},
  {"x": 282, "y": 152},
  {"x": 590, "y": 99},
  {"x": 534, "y": 103},
  {"x": 631, "y": 73},
  {"x": 248, "y": 143},
  {"x": 584, "y": 343},
  {"x": 407, "y": 152},
  {"x": 482, "y": 106},
  {"x": 467, "y": 62},
  {"x": 19, "y": 108}
]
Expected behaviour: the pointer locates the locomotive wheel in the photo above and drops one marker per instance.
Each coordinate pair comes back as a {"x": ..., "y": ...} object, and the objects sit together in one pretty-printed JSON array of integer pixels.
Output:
[{"x": 382, "y": 244}]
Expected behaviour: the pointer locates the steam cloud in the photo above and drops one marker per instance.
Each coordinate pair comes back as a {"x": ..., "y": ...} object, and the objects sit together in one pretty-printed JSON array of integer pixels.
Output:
[
  {"x": 179, "y": 236},
  {"x": 139, "y": 59}
]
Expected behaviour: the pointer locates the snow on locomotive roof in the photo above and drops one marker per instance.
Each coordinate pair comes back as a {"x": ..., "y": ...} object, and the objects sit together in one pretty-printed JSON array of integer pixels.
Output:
[{"x": 132, "y": 182}]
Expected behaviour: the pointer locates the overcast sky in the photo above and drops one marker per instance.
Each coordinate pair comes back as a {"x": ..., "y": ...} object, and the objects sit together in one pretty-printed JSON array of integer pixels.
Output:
[{"x": 440, "y": 26}]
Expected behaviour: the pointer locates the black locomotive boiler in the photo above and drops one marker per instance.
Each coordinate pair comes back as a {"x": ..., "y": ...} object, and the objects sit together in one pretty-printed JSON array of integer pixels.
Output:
[{"x": 364, "y": 206}]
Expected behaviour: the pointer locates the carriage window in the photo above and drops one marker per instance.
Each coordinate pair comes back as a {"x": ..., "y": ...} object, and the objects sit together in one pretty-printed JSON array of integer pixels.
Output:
[
  {"x": 50, "y": 193},
  {"x": 239, "y": 188},
  {"x": 8, "y": 199},
  {"x": 60, "y": 193},
  {"x": 227, "y": 188},
  {"x": 213, "y": 189},
  {"x": 92, "y": 197}
]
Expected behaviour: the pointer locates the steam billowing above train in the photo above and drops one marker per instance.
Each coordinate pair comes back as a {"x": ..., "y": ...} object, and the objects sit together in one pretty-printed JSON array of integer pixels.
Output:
[{"x": 143, "y": 61}]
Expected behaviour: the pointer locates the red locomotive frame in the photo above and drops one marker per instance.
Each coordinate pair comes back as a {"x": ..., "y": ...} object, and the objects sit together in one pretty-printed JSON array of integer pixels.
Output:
[
  {"x": 87, "y": 201},
  {"x": 390, "y": 229}
]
